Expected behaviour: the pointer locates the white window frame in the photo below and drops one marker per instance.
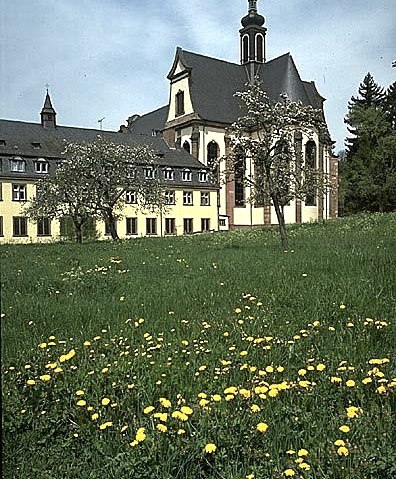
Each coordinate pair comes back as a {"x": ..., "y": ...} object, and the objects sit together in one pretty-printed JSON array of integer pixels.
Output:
[
  {"x": 41, "y": 166},
  {"x": 17, "y": 165},
  {"x": 188, "y": 198},
  {"x": 203, "y": 176},
  {"x": 149, "y": 173},
  {"x": 19, "y": 192},
  {"x": 205, "y": 198},
  {"x": 170, "y": 197},
  {"x": 186, "y": 175},
  {"x": 131, "y": 197},
  {"x": 169, "y": 174}
]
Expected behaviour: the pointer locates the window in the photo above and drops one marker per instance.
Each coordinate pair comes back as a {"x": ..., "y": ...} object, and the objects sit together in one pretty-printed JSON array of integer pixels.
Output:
[
  {"x": 169, "y": 174},
  {"x": 186, "y": 146},
  {"x": 239, "y": 174},
  {"x": 107, "y": 228},
  {"x": 36, "y": 145},
  {"x": 205, "y": 224},
  {"x": 131, "y": 197},
  {"x": 1, "y": 191},
  {"x": 245, "y": 49},
  {"x": 170, "y": 197},
  {"x": 187, "y": 198},
  {"x": 212, "y": 155},
  {"x": 180, "y": 103},
  {"x": 131, "y": 226},
  {"x": 188, "y": 225},
  {"x": 18, "y": 192},
  {"x": 186, "y": 175},
  {"x": 259, "y": 48},
  {"x": 260, "y": 183},
  {"x": 148, "y": 172},
  {"x": 205, "y": 198},
  {"x": 202, "y": 177},
  {"x": 151, "y": 226},
  {"x": 170, "y": 226},
  {"x": 222, "y": 222},
  {"x": 131, "y": 173},
  {"x": 1, "y": 226},
  {"x": 44, "y": 227},
  {"x": 41, "y": 166},
  {"x": 2, "y": 143},
  {"x": 310, "y": 162},
  {"x": 17, "y": 165},
  {"x": 19, "y": 226}
]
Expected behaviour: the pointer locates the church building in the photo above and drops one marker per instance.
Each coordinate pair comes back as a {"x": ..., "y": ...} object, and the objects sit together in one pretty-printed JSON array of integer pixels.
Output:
[
  {"x": 202, "y": 107},
  {"x": 189, "y": 135}
]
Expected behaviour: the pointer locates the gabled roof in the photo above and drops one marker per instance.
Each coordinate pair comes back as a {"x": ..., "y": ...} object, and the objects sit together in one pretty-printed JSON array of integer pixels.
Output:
[
  {"x": 213, "y": 83},
  {"x": 20, "y": 138},
  {"x": 48, "y": 108},
  {"x": 149, "y": 123}
]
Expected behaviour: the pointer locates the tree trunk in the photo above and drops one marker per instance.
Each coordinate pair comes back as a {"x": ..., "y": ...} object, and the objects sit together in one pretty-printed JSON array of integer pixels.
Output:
[
  {"x": 78, "y": 231},
  {"x": 281, "y": 220},
  {"x": 111, "y": 223}
]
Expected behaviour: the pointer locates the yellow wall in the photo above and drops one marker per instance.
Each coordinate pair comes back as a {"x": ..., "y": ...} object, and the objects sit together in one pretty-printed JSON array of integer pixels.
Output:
[{"x": 9, "y": 209}]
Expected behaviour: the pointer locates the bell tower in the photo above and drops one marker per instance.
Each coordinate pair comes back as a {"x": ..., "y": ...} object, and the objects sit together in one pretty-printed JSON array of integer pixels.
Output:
[
  {"x": 252, "y": 36},
  {"x": 48, "y": 114}
]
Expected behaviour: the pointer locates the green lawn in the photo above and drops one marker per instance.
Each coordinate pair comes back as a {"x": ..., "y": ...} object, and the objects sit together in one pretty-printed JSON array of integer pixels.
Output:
[{"x": 231, "y": 340}]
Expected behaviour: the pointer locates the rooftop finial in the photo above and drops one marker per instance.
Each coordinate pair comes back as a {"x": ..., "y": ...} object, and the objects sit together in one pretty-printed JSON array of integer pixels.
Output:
[{"x": 252, "y": 6}]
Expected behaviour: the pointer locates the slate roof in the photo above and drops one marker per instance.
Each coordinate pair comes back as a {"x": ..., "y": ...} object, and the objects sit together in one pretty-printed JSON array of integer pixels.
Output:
[
  {"x": 20, "y": 138},
  {"x": 153, "y": 121},
  {"x": 213, "y": 83}
]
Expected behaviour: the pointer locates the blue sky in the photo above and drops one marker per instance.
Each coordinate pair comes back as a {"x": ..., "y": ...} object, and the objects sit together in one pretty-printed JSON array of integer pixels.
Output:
[{"x": 110, "y": 58}]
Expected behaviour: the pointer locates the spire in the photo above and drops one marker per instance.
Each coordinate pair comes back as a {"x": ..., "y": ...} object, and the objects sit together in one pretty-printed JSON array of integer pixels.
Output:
[
  {"x": 48, "y": 114},
  {"x": 252, "y": 39}
]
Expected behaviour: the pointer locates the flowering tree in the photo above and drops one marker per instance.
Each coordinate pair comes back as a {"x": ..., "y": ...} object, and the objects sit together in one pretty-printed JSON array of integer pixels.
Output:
[
  {"x": 266, "y": 134},
  {"x": 92, "y": 180}
]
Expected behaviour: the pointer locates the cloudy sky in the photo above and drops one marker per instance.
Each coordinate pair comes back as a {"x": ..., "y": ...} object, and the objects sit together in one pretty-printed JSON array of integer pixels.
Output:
[{"x": 110, "y": 58}]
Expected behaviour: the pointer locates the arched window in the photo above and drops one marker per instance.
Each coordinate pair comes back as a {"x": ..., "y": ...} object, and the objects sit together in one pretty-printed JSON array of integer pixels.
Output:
[
  {"x": 186, "y": 146},
  {"x": 245, "y": 48},
  {"x": 180, "y": 103},
  {"x": 310, "y": 162},
  {"x": 239, "y": 176},
  {"x": 212, "y": 155},
  {"x": 259, "y": 48}
]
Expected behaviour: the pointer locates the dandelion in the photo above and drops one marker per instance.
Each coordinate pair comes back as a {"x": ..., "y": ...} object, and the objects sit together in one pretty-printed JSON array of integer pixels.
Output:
[
  {"x": 186, "y": 410},
  {"x": 80, "y": 392},
  {"x": 45, "y": 377},
  {"x": 342, "y": 306},
  {"x": 350, "y": 383},
  {"x": 291, "y": 452},
  {"x": 302, "y": 453},
  {"x": 254, "y": 408},
  {"x": 339, "y": 442},
  {"x": 289, "y": 473},
  {"x": 161, "y": 427},
  {"x": 210, "y": 448},
  {"x": 95, "y": 416},
  {"x": 262, "y": 427},
  {"x": 216, "y": 397},
  {"x": 353, "y": 411},
  {"x": 105, "y": 425},
  {"x": 304, "y": 466},
  {"x": 81, "y": 403},
  {"x": 180, "y": 432},
  {"x": 30, "y": 382},
  {"x": 321, "y": 367},
  {"x": 105, "y": 401},
  {"x": 344, "y": 428},
  {"x": 42, "y": 345},
  {"x": 342, "y": 451}
]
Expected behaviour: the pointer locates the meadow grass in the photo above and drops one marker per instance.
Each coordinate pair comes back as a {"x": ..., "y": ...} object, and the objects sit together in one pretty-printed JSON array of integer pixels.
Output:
[{"x": 211, "y": 356}]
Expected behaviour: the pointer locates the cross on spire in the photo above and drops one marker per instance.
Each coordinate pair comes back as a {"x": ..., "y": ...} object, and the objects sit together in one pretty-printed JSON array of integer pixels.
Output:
[{"x": 252, "y": 6}]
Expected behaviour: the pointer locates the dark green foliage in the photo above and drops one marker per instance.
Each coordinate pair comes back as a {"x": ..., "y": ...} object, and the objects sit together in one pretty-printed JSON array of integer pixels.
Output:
[{"x": 368, "y": 171}]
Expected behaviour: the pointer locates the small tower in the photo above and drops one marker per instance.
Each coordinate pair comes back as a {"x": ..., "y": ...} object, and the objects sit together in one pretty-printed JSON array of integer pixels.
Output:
[
  {"x": 252, "y": 40},
  {"x": 48, "y": 114}
]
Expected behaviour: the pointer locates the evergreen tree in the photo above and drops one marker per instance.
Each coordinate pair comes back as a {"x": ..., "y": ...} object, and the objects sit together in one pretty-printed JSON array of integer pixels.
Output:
[{"x": 368, "y": 172}]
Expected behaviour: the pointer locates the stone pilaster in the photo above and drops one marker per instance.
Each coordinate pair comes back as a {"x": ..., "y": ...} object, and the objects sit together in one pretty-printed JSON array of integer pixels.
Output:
[
  {"x": 299, "y": 159},
  {"x": 229, "y": 185},
  {"x": 195, "y": 142},
  {"x": 320, "y": 198}
]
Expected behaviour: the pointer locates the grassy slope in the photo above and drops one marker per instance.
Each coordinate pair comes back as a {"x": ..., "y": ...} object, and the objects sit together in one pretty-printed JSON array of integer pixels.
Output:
[{"x": 62, "y": 290}]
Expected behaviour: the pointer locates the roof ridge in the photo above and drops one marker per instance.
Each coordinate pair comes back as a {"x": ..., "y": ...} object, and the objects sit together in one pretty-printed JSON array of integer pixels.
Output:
[{"x": 211, "y": 58}]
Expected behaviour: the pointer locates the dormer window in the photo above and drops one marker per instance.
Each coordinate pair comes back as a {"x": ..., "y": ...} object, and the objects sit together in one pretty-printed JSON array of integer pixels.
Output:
[
  {"x": 41, "y": 166},
  {"x": 36, "y": 145},
  {"x": 18, "y": 165},
  {"x": 2, "y": 143},
  {"x": 186, "y": 175},
  {"x": 180, "y": 103},
  {"x": 131, "y": 197},
  {"x": 148, "y": 172},
  {"x": 169, "y": 174},
  {"x": 202, "y": 177},
  {"x": 186, "y": 146}
]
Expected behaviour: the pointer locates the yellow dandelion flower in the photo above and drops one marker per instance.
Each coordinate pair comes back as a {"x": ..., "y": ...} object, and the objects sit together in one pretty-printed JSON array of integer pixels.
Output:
[
  {"x": 87, "y": 343},
  {"x": 203, "y": 402},
  {"x": 350, "y": 383},
  {"x": 42, "y": 345},
  {"x": 255, "y": 408},
  {"x": 237, "y": 310},
  {"x": 273, "y": 392},
  {"x": 58, "y": 370},
  {"x": 31, "y": 382},
  {"x": 105, "y": 401},
  {"x": 45, "y": 377},
  {"x": 335, "y": 379},
  {"x": 304, "y": 466},
  {"x": 289, "y": 473},
  {"x": 105, "y": 370},
  {"x": 353, "y": 411},
  {"x": 342, "y": 451},
  {"x": 140, "y": 434},
  {"x": 186, "y": 410},
  {"x": 105, "y": 425},
  {"x": 381, "y": 390},
  {"x": 262, "y": 427},
  {"x": 291, "y": 452},
  {"x": 344, "y": 428},
  {"x": 302, "y": 453},
  {"x": 339, "y": 442},
  {"x": 245, "y": 393},
  {"x": 148, "y": 409},
  {"x": 216, "y": 397},
  {"x": 302, "y": 372},
  {"x": 342, "y": 306},
  {"x": 210, "y": 448},
  {"x": 321, "y": 367},
  {"x": 81, "y": 403},
  {"x": 80, "y": 392},
  {"x": 180, "y": 432},
  {"x": 161, "y": 427}
]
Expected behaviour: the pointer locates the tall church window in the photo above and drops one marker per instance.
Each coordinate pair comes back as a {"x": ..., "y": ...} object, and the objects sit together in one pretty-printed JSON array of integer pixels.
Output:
[
  {"x": 212, "y": 155},
  {"x": 245, "y": 48},
  {"x": 310, "y": 162},
  {"x": 259, "y": 48},
  {"x": 186, "y": 146},
  {"x": 180, "y": 103},
  {"x": 239, "y": 175}
]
